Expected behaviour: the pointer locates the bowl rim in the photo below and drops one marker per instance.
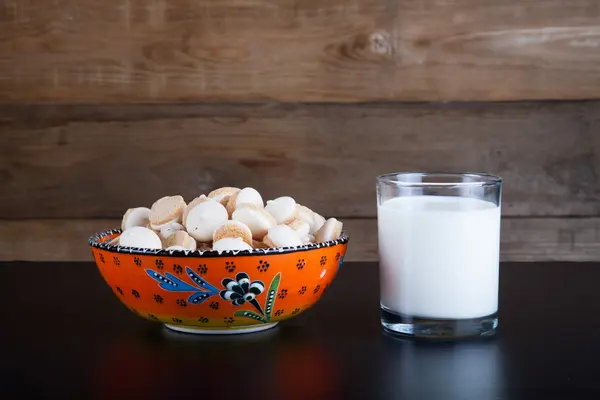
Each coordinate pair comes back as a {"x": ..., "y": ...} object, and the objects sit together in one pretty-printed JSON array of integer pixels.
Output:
[{"x": 94, "y": 241}]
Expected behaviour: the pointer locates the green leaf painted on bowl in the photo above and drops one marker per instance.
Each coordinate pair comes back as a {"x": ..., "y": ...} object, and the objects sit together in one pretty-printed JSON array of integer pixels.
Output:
[
  {"x": 271, "y": 294},
  {"x": 249, "y": 314}
]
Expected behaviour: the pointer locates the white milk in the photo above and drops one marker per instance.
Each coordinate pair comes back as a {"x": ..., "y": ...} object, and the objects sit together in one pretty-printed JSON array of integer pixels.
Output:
[{"x": 439, "y": 256}]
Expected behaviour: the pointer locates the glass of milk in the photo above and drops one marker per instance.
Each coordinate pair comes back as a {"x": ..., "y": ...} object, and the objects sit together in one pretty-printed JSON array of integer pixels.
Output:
[{"x": 439, "y": 240}]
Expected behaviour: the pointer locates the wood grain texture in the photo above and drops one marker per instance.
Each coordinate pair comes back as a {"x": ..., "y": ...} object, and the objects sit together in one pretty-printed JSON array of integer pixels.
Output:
[
  {"x": 114, "y": 51},
  {"x": 90, "y": 162},
  {"x": 523, "y": 239}
]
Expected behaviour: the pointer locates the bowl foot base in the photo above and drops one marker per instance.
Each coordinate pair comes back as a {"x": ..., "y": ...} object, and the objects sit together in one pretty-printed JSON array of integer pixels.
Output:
[{"x": 221, "y": 331}]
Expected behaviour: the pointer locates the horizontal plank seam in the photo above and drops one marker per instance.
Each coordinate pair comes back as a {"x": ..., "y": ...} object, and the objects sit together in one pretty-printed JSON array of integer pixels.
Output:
[
  {"x": 239, "y": 103},
  {"x": 292, "y": 104},
  {"x": 531, "y": 239},
  {"x": 37, "y": 115}
]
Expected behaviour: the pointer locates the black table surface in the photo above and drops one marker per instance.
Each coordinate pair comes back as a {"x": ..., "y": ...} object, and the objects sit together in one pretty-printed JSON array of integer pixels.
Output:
[{"x": 64, "y": 333}]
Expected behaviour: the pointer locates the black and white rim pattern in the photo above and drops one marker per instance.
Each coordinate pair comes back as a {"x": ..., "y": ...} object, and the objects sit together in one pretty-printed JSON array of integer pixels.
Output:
[{"x": 96, "y": 241}]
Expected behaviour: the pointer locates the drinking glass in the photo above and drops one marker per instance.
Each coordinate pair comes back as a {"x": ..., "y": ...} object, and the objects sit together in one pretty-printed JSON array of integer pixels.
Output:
[{"x": 439, "y": 240}]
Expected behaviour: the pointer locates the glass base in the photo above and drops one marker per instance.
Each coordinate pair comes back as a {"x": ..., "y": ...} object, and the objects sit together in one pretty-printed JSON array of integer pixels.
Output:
[{"x": 430, "y": 328}]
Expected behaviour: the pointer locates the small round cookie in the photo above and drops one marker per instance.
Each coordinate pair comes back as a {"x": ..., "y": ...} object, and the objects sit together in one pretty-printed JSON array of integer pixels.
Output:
[
  {"x": 200, "y": 199},
  {"x": 233, "y": 229},
  {"x": 245, "y": 196},
  {"x": 331, "y": 230},
  {"x": 229, "y": 243},
  {"x": 204, "y": 218},
  {"x": 181, "y": 238},
  {"x": 283, "y": 209},
  {"x": 302, "y": 228},
  {"x": 157, "y": 228},
  {"x": 256, "y": 218},
  {"x": 138, "y": 236},
  {"x": 282, "y": 236},
  {"x": 223, "y": 194},
  {"x": 168, "y": 229},
  {"x": 304, "y": 213},
  {"x": 257, "y": 244},
  {"x": 249, "y": 196},
  {"x": 176, "y": 248},
  {"x": 166, "y": 209},
  {"x": 138, "y": 216},
  {"x": 115, "y": 241},
  {"x": 314, "y": 220},
  {"x": 308, "y": 239},
  {"x": 318, "y": 222},
  {"x": 230, "y": 206}
]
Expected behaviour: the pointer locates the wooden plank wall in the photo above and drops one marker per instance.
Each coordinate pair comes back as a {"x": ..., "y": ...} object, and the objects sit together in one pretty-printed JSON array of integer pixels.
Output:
[{"x": 107, "y": 104}]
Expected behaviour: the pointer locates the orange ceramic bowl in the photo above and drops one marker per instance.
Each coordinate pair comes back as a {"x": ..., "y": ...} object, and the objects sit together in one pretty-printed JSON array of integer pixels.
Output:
[{"x": 218, "y": 292}]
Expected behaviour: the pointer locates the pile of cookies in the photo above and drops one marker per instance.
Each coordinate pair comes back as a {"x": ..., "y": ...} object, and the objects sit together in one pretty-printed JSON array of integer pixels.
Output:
[{"x": 227, "y": 218}]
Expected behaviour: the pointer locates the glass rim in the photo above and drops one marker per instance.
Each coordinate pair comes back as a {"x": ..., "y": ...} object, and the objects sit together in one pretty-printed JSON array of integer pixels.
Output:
[{"x": 479, "y": 179}]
